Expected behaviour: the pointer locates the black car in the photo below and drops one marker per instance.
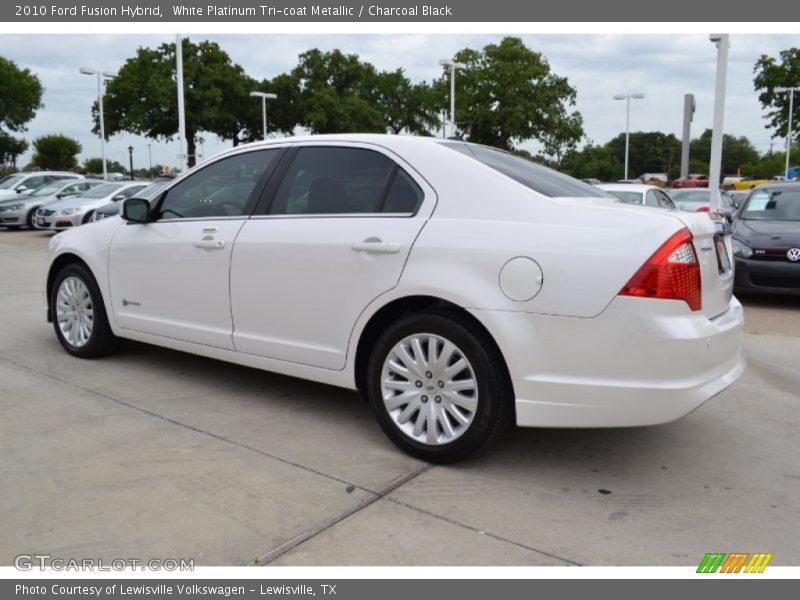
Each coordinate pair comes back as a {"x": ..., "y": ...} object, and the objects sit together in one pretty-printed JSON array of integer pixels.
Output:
[{"x": 766, "y": 240}]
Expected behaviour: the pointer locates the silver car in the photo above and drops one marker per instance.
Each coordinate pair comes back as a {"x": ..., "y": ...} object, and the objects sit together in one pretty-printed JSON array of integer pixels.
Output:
[
  {"x": 25, "y": 183},
  {"x": 72, "y": 212},
  {"x": 21, "y": 210}
]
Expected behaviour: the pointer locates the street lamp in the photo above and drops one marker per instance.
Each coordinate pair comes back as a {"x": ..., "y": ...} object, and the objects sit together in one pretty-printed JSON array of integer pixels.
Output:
[
  {"x": 453, "y": 66},
  {"x": 627, "y": 98},
  {"x": 264, "y": 97},
  {"x": 100, "y": 76},
  {"x": 790, "y": 91},
  {"x": 130, "y": 156}
]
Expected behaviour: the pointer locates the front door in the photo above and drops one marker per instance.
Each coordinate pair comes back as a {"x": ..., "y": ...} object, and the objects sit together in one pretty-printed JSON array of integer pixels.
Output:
[{"x": 169, "y": 277}]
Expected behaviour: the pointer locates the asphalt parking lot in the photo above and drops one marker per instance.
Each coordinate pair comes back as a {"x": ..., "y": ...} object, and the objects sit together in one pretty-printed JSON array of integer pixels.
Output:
[{"x": 155, "y": 454}]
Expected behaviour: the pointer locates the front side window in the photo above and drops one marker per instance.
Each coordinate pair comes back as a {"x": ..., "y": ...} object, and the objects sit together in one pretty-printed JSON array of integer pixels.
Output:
[
  {"x": 330, "y": 180},
  {"x": 221, "y": 189}
]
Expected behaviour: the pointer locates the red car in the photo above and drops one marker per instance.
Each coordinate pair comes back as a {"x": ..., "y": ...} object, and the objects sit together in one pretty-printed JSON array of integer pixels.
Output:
[{"x": 692, "y": 181}]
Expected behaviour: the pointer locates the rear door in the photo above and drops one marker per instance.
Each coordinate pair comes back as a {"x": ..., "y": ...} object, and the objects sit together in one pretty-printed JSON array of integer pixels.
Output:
[{"x": 332, "y": 235}]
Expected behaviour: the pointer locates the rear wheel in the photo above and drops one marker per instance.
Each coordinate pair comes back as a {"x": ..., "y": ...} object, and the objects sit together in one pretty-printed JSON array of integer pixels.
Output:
[
  {"x": 78, "y": 314},
  {"x": 438, "y": 387}
]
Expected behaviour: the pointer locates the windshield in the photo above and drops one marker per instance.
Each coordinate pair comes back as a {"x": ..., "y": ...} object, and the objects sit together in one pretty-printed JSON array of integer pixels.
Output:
[
  {"x": 773, "y": 205},
  {"x": 627, "y": 197},
  {"x": 10, "y": 181},
  {"x": 539, "y": 178},
  {"x": 151, "y": 189},
  {"x": 49, "y": 189},
  {"x": 101, "y": 191}
]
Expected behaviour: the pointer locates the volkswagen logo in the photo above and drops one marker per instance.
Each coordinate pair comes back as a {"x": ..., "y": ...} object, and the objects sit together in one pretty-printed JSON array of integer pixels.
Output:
[{"x": 793, "y": 254}]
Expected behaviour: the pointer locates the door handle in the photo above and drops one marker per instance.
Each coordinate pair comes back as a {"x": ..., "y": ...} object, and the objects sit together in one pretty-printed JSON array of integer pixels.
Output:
[
  {"x": 210, "y": 244},
  {"x": 377, "y": 247}
]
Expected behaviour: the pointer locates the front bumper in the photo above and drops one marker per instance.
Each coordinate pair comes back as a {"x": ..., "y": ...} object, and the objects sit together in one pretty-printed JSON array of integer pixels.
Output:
[
  {"x": 641, "y": 362},
  {"x": 12, "y": 217},
  {"x": 58, "y": 222},
  {"x": 767, "y": 276}
]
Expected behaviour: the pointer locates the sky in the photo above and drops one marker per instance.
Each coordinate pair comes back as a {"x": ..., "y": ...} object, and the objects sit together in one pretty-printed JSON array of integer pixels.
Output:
[{"x": 663, "y": 67}]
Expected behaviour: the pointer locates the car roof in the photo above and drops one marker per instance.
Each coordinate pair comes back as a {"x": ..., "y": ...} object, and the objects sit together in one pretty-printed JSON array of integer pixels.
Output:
[{"x": 788, "y": 185}]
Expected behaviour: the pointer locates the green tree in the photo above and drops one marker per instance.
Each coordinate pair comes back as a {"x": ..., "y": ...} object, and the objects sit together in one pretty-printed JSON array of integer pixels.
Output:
[
  {"x": 592, "y": 161},
  {"x": 768, "y": 165},
  {"x": 21, "y": 96},
  {"x": 283, "y": 113},
  {"x": 508, "y": 94},
  {"x": 405, "y": 106},
  {"x": 649, "y": 152},
  {"x": 736, "y": 151},
  {"x": 95, "y": 166},
  {"x": 771, "y": 72},
  {"x": 335, "y": 94},
  {"x": 142, "y": 98},
  {"x": 10, "y": 149},
  {"x": 55, "y": 152}
]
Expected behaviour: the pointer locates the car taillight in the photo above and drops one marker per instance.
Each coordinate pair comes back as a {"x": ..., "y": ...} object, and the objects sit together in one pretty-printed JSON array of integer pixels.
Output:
[
  {"x": 672, "y": 272},
  {"x": 704, "y": 209}
]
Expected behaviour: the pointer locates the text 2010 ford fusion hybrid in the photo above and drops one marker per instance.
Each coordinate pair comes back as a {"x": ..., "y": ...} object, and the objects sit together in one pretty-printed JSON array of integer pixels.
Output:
[{"x": 459, "y": 288}]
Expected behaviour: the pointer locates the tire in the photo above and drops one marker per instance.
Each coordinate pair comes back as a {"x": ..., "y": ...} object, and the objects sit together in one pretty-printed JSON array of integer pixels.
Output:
[
  {"x": 480, "y": 393},
  {"x": 75, "y": 298},
  {"x": 87, "y": 217},
  {"x": 30, "y": 217}
]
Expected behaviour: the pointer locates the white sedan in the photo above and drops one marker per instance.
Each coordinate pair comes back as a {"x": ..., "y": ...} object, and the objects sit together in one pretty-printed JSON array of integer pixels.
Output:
[
  {"x": 638, "y": 194},
  {"x": 459, "y": 288}
]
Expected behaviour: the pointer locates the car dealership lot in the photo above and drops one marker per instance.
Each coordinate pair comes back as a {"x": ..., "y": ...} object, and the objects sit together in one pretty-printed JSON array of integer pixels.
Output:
[{"x": 154, "y": 454}]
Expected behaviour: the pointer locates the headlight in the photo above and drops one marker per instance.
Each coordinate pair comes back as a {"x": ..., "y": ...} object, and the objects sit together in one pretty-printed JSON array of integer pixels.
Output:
[
  {"x": 69, "y": 211},
  {"x": 740, "y": 249},
  {"x": 12, "y": 207}
]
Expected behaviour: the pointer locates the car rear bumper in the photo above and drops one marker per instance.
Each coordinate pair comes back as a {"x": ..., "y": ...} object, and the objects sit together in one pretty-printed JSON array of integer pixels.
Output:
[
  {"x": 767, "y": 276},
  {"x": 641, "y": 362}
]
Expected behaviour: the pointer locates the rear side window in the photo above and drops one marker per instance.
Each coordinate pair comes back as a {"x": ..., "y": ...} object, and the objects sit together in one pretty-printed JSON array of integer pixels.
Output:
[
  {"x": 651, "y": 199},
  {"x": 539, "y": 178},
  {"x": 334, "y": 180},
  {"x": 403, "y": 196}
]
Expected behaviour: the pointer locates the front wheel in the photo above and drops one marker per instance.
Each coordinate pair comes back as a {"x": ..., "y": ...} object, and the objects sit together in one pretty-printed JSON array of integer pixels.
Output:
[
  {"x": 78, "y": 314},
  {"x": 438, "y": 387}
]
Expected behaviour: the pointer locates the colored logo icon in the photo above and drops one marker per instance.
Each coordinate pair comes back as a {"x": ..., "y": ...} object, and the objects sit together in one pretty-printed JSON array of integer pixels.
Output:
[{"x": 736, "y": 562}]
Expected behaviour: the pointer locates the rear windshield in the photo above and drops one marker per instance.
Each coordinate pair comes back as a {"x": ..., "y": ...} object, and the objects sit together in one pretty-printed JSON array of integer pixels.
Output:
[
  {"x": 627, "y": 197},
  {"x": 539, "y": 178},
  {"x": 772, "y": 205}
]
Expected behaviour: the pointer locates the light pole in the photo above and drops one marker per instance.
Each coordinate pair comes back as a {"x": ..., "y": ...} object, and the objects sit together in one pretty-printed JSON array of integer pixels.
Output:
[
  {"x": 150, "y": 160},
  {"x": 790, "y": 91},
  {"x": 264, "y": 97},
  {"x": 100, "y": 76},
  {"x": 130, "y": 156},
  {"x": 627, "y": 98},
  {"x": 722, "y": 42},
  {"x": 453, "y": 66}
]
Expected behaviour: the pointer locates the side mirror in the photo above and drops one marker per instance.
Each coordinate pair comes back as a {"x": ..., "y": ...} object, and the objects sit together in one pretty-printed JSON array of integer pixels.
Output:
[
  {"x": 21, "y": 189},
  {"x": 136, "y": 210}
]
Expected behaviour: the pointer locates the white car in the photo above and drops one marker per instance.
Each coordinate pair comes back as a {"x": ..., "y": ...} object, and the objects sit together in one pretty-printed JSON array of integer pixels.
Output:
[
  {"x": 78, "y": 210},
  {"x": 460, "y": 288},
  {"x": 638, "y": 194}
]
